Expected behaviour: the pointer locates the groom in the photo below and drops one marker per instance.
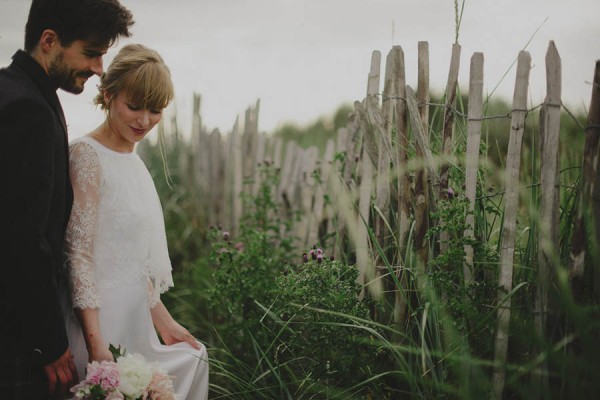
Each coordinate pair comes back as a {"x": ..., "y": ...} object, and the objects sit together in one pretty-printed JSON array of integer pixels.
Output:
[{"x": 64, "y": 44}]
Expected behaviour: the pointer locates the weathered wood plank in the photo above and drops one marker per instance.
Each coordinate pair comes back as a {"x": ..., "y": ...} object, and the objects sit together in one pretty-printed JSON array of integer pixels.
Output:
[
  {"x": 404, "y": 199},
  {"x": 304, "y": 191},
  {"x": 259, "y": 158},
  {"x": 448, "y": 134},
  {"x": 384, "y": 145},
  {"x": 318, "y": 211},
  {"x": 404, "y": 193},
  {"x": 235, "y": 161},
  {"x": 588, "y": 198},
  {"x": 511, "y": 196},
  {"x": 594, "y": 129},
  {"x": 472, "y": 161},
  {"x": 364, "y": 260},
  {"x": 549, "y": 201},
  {"x": 215, "y": 175}
]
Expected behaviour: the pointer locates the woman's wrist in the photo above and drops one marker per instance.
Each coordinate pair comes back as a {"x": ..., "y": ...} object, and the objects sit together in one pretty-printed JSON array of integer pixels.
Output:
[{"x": 94, "y": 341}]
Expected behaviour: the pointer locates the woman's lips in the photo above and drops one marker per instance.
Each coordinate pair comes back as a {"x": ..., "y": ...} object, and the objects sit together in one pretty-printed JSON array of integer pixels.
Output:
[{"x": 138, "y": 131}]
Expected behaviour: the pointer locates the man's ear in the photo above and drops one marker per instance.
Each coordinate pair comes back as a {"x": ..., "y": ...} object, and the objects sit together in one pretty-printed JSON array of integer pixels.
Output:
[{"x": 49, "y": 41}]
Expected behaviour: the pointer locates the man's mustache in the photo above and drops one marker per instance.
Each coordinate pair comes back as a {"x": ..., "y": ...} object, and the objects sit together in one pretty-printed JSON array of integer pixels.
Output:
[{"x": 87, "y": 74}]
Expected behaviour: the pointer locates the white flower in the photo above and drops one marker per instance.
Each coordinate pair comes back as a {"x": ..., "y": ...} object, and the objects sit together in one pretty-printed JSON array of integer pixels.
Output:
[{"x": 135, "y": 374}]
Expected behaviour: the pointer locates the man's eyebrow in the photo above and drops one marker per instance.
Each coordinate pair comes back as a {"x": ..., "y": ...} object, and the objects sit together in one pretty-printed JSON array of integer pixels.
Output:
[{"x": 96, "y": 51}]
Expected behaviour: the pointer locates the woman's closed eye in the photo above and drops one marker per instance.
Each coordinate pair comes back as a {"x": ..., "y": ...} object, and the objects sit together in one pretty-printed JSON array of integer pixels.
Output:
[{"x": 133, "y": 107}]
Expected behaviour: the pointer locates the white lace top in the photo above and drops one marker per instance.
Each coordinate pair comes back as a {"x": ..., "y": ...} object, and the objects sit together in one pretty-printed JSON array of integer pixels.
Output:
[{"x": 116, "y": 232}]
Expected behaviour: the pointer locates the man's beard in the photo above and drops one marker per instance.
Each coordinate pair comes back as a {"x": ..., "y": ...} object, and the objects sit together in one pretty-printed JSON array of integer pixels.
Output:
[{"x": 66, "y": 78}]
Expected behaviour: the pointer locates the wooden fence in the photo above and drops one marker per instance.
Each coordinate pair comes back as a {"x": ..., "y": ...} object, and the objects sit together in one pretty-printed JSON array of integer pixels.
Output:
[{"x": 379, "y": 199}]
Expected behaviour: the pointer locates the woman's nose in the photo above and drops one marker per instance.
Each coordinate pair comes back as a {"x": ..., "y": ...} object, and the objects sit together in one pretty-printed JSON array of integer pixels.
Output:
[{"x": 144, "y": 118}]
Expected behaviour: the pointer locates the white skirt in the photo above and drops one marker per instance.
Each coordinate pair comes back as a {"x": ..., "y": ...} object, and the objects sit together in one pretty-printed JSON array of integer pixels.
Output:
[{"x": 125, "y": 320}]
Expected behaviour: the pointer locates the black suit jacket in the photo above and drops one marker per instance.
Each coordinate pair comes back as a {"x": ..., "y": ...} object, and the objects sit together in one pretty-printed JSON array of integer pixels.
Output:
[{"x": 35, "y": 204}]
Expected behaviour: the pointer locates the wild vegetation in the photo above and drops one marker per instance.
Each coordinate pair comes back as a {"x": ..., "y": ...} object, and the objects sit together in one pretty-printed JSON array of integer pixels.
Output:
[
  {"x": 284, "y": 319},
  {"x": 280, "y": 324}
]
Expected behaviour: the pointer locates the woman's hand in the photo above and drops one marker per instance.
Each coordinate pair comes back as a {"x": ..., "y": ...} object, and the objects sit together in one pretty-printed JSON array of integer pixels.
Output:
[
  {"x": 170, "y": 331},
  {"x": 175, "y": 333}
]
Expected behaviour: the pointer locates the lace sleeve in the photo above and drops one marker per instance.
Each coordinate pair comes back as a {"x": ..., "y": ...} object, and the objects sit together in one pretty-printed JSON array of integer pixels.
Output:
[
  {"x": 159, "y": 264},
  {"x": 85, "y": 178}
]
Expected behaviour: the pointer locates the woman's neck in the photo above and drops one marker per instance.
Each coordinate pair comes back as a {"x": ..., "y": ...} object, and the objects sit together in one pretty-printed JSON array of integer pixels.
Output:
[{"x": 107, "y": 136}]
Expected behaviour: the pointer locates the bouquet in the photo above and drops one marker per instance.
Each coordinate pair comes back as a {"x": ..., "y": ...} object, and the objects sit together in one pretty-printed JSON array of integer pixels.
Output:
[{"x": 128, "y": 377}]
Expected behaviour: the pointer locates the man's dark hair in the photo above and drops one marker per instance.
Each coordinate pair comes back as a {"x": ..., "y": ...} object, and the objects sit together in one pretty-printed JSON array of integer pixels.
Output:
[{"x": 100, "y": 22}]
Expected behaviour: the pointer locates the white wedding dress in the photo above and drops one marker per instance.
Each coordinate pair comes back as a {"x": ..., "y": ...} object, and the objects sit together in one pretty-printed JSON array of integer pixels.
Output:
[{"x": 119, "y": 262}]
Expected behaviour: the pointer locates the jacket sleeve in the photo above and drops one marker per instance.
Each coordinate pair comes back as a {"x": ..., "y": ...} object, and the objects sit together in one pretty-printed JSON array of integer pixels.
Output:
[{"x": 30, "y": 303}]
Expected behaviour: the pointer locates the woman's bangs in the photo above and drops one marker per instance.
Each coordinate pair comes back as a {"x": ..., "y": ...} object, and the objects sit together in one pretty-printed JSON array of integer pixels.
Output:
[{"x": 150, "y": 87}]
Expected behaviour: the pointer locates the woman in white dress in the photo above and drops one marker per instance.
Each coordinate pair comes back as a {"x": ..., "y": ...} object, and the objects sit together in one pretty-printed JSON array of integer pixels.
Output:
[{"x": 116, "y": 242}]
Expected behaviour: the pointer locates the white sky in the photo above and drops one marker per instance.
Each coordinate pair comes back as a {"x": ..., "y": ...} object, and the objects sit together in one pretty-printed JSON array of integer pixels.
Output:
[{"x": 303, "y": 58}]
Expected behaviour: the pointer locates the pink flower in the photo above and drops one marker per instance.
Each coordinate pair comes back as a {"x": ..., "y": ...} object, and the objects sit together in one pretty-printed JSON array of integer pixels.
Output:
[
  {"x": 239, "y": 246},
  {"x": 105, "y": 374},
  {"x": 160, "y": 387}
]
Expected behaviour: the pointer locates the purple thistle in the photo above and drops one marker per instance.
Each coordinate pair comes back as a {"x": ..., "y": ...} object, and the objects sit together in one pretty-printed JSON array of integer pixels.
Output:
[
  {"x": 304, "y": 257},
  {"x": 225, "y": 235}
]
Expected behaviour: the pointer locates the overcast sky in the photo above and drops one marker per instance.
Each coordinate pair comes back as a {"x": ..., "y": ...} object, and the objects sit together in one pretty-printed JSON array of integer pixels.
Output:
[{"x": 303, "y": 58}]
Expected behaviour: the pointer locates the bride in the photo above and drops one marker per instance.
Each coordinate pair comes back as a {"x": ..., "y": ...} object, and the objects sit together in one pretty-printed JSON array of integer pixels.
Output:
[{"x": 116, "y": 244}]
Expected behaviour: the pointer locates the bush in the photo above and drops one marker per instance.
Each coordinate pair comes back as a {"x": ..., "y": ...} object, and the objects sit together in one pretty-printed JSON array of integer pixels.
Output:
[{"x": 327, "y": 328}]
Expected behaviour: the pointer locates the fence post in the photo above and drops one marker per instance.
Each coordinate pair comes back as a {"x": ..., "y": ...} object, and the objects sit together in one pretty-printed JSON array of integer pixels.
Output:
[
  {"x": 235, "y": 165},
  {"x": 421, "y": 188},
  {"x": 422, "y": 191},
  {"x": 513, "y": 161},
  {"x": 594, "y": 129},
  {"x": 215, "y": 174},
  {"x": 589, "y": 200},
  {"x": 447, "y": 135},
  {"x": 323, "y": 169},
  {"x": 364, "y": 259},
  {"x": 305, "y": 189},
  {"x": 400, "y": 123},
  {"x": 548, "y": 220},
  {"x": 259, "y": 157},
  {"x": 472, "y": 163}
]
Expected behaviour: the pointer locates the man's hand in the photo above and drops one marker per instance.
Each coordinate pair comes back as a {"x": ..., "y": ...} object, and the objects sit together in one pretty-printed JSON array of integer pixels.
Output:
[{"x": 62, "y": 374}]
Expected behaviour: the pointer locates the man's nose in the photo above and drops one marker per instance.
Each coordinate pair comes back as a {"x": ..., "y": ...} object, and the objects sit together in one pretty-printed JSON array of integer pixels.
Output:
[{"x": 97, "y": 66}]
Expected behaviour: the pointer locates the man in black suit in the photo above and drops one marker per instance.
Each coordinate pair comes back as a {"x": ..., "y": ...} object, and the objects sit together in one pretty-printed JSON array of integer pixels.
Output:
[{"x": 64, "y": 44}]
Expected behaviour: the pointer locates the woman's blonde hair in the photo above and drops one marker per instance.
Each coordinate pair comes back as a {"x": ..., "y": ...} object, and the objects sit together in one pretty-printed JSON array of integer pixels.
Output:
[{"x": 142, "y": 74}]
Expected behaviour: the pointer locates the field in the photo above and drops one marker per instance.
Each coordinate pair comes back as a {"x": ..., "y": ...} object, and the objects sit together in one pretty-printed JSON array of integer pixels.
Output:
[{"x": 410, "y": 246}]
